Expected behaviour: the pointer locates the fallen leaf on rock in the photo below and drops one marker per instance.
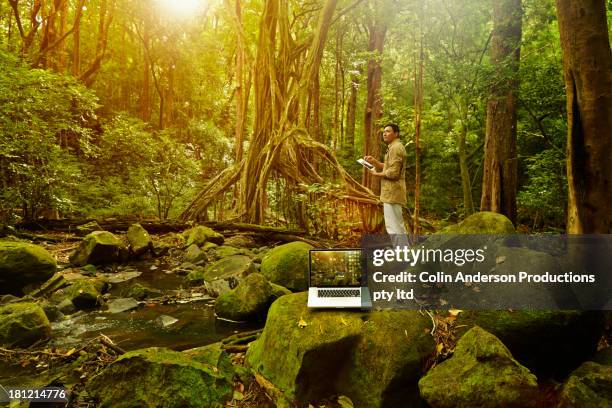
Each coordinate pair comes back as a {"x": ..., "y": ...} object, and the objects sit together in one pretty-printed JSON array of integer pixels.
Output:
[
  {"x": 302, "y": 323},
  {"x": 454, "y": 312},
  {"x": 345, "y": 402}
]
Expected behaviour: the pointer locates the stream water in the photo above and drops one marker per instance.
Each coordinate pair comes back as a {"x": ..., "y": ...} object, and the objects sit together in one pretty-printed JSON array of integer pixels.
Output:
[{"x": 195, "y": 325}]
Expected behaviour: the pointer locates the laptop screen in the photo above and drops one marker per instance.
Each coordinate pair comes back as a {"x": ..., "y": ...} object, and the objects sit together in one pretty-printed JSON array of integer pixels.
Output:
[{"x": 336, "y": 267}]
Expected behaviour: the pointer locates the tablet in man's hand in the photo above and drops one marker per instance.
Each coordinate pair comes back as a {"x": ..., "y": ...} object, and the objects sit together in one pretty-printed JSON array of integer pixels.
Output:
[{"x": 365, "y": 164}]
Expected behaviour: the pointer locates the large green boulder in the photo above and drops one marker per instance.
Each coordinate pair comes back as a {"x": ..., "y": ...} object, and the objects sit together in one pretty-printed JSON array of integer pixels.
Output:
[
  {"x": 287, "y": 265},
  {"x": 249, "y": 300},
  {"x": 159, "y": 377},
  {"x": 484, "y": 222},
  {"x": 139, "y": 238},
  {"x": 22, "y": 324},
  {"x": 481, "y": 373},
  {"x": 374, "y": 358},
  {"x": 86, "y": 293},
  {"x": 99, "y": 247},
  {"x": 589, "y": 386},
  {"x": 537, "y": 338},
  {"x": 23, "y": 264},
  {"x": 224, "y": 251},
  {"x": 232, "y": 267},
  {"x": 200, "y": 235},
  {"x": 215, "y": 356}
]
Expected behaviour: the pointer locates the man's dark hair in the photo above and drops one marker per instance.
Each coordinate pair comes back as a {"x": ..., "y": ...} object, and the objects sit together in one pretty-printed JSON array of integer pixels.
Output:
[{"x": 394, "y": 127}]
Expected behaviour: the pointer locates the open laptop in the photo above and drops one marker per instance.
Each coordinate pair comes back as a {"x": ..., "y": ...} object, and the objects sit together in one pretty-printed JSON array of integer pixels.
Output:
[{"x": 337, "y": 279}]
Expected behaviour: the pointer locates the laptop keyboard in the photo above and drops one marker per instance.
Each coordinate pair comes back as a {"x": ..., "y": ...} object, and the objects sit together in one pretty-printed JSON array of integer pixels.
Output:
[{"x": 338, "y": 292}]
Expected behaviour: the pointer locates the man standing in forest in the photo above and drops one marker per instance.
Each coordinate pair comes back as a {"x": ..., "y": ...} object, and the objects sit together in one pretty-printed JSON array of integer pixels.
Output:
[{"x": 393, "y": 182}]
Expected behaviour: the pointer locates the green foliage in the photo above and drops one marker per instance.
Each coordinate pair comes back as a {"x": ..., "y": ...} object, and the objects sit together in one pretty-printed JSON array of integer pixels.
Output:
[
  {"x": 45, "y": 123},
  {"x": 142, "y": 172},
  {"x": 543, "y": 200}
]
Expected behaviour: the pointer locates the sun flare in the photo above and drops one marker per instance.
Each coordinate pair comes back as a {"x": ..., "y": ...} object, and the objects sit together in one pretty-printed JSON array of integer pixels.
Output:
[{"x": 180, "y": 8}]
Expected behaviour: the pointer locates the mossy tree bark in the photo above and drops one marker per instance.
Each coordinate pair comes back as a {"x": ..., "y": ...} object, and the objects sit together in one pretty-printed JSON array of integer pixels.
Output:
[
  {"x": 587, "y": 63},
  {"x": 499, "y": 183}
]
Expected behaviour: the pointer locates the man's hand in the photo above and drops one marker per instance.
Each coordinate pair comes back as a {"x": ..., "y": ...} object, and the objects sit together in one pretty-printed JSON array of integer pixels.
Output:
[{"x": 377, "y": 164}]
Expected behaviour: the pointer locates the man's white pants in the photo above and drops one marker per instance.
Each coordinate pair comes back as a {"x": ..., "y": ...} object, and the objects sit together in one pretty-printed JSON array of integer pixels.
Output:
[{"x": 394, "y": 223}]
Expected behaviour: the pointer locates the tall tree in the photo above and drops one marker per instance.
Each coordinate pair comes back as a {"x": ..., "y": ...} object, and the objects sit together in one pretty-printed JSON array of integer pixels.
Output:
[
  {"x": 587, "y": 63},
  {"x": 499, "y": 182},
  {"x": 377, "y": 29},
  {"x": 418, "y": 111}
]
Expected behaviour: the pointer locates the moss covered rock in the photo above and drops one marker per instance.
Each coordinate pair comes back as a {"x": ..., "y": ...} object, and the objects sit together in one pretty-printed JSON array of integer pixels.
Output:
[
  {"x": 159, "y": 377},
  {"x": 139, "y": 238},
  {"x": 249, "y": 300},
  {"x": 141, "y": 292},
  {"x": 99, "y": 247},
  {"x": 235, "y": 266},
  {"x": 213, "y": 355},
  {"x": 224, "y": 251},
  {"x": 194, "y": 254},
  {"x": 200, "y": 234},
  {"x": 287, "y": 265},
  {"x": 481, "y": 373},
  {"x": 589, "y": 386},
  {"x": 373, "y": 358},
  {"x": 22, "y": 324},
  {"x": 484, "y": 222},
  {"x": 278, "y": 291},
  {"x": 548, "y": 342},
  {"x": 23, "y": 264},
  {"x": 86, "y": 293}
]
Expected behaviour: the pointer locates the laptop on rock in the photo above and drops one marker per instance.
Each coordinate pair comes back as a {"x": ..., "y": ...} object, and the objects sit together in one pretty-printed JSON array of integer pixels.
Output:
[{"x": 337, "y": 279}]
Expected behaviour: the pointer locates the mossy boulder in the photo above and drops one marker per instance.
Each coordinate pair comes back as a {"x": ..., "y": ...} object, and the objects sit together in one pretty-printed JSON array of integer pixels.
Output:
[
  {"x": 484, "y": 222},
  {"x": 373, "y": 358},
  {"x": 232, "y": 267},
  {"x": 97, "y": 248},
  {"x": 159, "y": 377},
  {"x": 249, "y": 300},
  {"x": 23, "y": 264},
  {"x": 139, "y": 238},
  {"x": 141, "y": 292},
  {"x": 537, "y": 338},
  {"x": 224, "y": 251},
  {"x": 287, "y": 265},
  {"x": 213, "y": 355},
  {"x": 278, "y": 291},
  {"x": 22, "y": 324},
  {"x": 194, "y": 254},
  {"x": 589, "y": 386},
  {"x": 200, "y": 235},
  {"x": 86, "y": 293},
  {"x": 481, "y": 373}
]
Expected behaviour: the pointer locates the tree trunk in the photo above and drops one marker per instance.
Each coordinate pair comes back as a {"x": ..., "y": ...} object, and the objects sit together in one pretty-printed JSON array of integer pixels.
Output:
[
  {"x": 466, "y": 186},
  {"x": 587, "y": 64},
  {"x": 76, "y": 47},
  {"x": 373, "y": 108},
  {"x": 418, "y": 111},
  {"x": 349, "y": 139},
  {"x": 499, "y": 182}
]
